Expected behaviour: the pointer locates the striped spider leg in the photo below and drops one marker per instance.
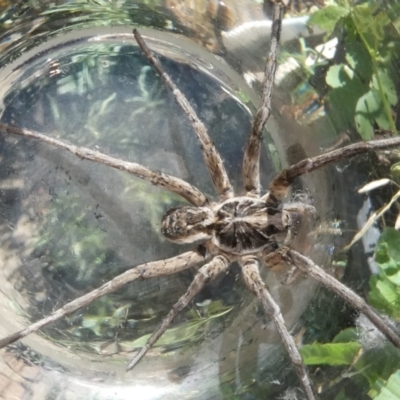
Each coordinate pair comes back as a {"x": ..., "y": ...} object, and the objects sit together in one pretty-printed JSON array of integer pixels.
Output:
[{"x": 250, "y": 229}]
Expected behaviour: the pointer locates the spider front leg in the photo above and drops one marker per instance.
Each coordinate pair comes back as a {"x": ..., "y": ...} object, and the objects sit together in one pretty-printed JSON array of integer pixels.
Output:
[
  {"x": 206, "y": 274},
  {"x": 255, "y": 284},
  {"x": 168, "y": 182},
  {"x": 211, "y": 156},
  {"x": 279, "y": 186},
  {"x": 251, "y": 160},
  {"x": 150, "y": 270}
]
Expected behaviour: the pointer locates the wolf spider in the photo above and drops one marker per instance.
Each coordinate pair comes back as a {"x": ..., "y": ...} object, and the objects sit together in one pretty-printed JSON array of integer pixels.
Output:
[{"x": 249, "y": 229}]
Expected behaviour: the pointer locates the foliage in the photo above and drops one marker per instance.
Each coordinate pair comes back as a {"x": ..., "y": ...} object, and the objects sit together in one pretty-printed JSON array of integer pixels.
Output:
[
  {"x": 390, "y": 390},
  {"x": 330, "y": 353},
  {"x": 385, "y": 287},
  {"x": 362, "y": 84},
  {"x": 192, "y": 329},
  {"x": 104, "y": 321},
  {"x": 72, "y": 241},
  {"x": 362, "y": 93},
  {"x": 69, "y": 241},
  {"x": 369, "y": 359}
]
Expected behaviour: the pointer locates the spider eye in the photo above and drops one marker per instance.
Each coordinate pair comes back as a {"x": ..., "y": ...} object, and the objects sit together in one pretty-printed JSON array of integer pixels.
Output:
[{"x": 187, "y": 224}]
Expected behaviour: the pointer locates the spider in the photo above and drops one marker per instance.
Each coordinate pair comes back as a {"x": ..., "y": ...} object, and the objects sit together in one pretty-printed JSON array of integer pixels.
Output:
[{"x": 251, "y": 229}]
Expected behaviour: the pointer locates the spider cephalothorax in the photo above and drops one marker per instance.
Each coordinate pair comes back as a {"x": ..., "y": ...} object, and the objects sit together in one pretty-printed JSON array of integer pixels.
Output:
[
  {"x": 245, "y": 225},
  {"x": 250, "y": 229}
]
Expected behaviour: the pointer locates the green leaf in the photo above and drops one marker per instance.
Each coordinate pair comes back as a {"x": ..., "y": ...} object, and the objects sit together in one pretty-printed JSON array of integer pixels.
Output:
[
  {"x": 334, "y": 76},
  {"x": 369, "y": 103},
  {"x": 370, "y": 24},
  {"x": 391, "y": 390},
  {"x": 385, "y": 287},
  {"x": 327, "y": 18},
  {"x": 382, "y": 120},
  {"x": 395, "y": 278},
  {"x": 377, "y": 299},
  {"x": 391, "y": 237},
  {"x": 343, "y": 100},
  {"x": 358, "y": 57},
  {"x": 345, "y": 336},
  {"x": 364, "y": 126},
  {"x": 184, "y": 332},
  {"x": 387, "y": 291},
  {"x": 330, "y": 353},
  {"x": 387, "y": 85},
  {"x": 378, "y": 364},
  {"x": 171, "y": 336}
]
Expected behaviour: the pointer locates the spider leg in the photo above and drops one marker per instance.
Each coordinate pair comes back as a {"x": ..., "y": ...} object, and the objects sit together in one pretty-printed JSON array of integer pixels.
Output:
[
  {"x": 251, "y": 160},
  {"x": 168, "y": 182},
  {"x": 279, "y": 186},
  {"x": 149, "y": 270},
  {"x": 205, "y": 274},
  {"x": 307, "y": 266},
  {"x": 256, "y": 285},
  {"x": 211, "y": 156}
]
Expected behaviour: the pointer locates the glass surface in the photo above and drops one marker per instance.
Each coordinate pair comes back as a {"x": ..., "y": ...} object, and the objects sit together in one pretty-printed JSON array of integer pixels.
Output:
[{"x": 72, "y": 70}]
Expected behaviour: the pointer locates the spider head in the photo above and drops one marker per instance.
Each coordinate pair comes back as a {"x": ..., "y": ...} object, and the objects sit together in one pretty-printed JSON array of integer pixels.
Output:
[{"x": 187, "y": 224}]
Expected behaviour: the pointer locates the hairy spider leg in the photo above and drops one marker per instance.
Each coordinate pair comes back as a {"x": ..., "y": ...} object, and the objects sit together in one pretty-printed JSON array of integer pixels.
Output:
[
  {"x": 256, "y": 285},
  {"x": 279, "y": 186},
  {"x": 144, "y": 271},
  {"x": 168, "y": 182},
  {"x": 211, "y": 156},
  {"x": 307, "y": 266},
  {"x": 251, "y": 160},
  {"x": 206, "y": 274}
]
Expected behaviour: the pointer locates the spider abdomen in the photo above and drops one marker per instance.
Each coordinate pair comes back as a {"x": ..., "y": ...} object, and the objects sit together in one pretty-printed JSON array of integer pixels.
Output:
[{"x": 246, "y": 225}]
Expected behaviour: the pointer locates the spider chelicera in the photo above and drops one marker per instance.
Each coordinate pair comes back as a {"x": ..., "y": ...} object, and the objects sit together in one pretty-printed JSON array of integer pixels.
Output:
[{"x": 249, "y": 229}]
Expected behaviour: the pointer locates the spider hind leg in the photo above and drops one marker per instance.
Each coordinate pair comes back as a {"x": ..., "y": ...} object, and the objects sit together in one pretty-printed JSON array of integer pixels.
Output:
[
  {"x": 150, "y": 270},
  {"x": 255, "y": 284},
  {"x": 207, "y": 273},
  {"x": 307, "y": 266}
]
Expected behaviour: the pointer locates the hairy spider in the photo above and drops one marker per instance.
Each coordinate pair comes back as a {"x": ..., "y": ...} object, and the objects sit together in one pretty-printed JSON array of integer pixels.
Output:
[{"x": 248, "y": 229}]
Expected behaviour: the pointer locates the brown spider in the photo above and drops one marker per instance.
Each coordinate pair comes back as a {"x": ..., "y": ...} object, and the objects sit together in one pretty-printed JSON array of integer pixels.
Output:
[{"x": 245, "y": 229}]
